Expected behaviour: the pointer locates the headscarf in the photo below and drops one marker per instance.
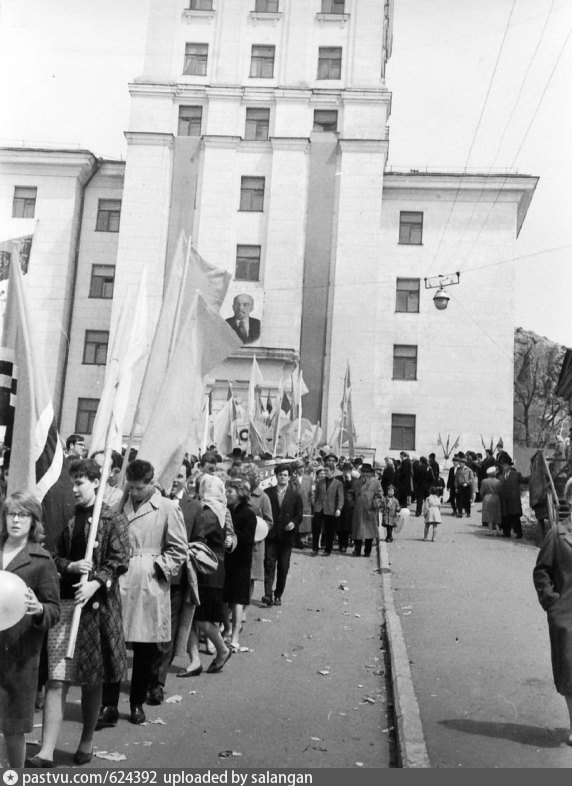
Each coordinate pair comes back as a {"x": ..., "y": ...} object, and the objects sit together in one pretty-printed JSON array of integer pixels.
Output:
[{"x": 213, "y": 495}]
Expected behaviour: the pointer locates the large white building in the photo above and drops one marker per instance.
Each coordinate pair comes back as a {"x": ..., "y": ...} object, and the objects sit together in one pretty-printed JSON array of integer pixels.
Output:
[{"x": 259, "y": 128}]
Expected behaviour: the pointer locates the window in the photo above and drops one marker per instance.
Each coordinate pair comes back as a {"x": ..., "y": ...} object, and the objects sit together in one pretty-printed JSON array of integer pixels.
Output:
[
  {"x": 407, "y": 295},
  {"x": 95, "y": 347},
  {"x": 257, "y": 123},
  {"x": 247, "y": 263},
  {"x": 325, "y": 120},
  {"x": 201, "y": 5},
  {"x": 252, "y": 194},
  {"x": 262, "y": 62},
  {"x": 102, "y": 278},
  {"x": 196, "y": 56},
  {"x": 190, "y": 120},
  {"x": 24, "y": 205},
  {"x": 330, "y": 62},
  {"x": 108, "y": 213},
  {"x": 333, "y": 6},
  {"x": 266, "y": 6},
  {"x": 410, "y": 228},
  {"x": 404, "y": 361},
  {"x": 402, "y": 432},
  {"x": 85, "y": 415}
]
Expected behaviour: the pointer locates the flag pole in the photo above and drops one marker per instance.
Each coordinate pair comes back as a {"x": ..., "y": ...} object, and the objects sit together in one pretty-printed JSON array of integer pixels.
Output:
[
  {"x": 206, "y": 427},
  {"x": 91, "y": 537}
]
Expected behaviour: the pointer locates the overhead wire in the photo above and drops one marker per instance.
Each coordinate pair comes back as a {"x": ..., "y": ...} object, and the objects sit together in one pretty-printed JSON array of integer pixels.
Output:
[
  {"x": 479, "y": 121},
  {"x": 508, "y": 122}
]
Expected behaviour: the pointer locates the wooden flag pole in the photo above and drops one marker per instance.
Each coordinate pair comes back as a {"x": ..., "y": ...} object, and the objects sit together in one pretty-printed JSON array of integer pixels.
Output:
[{"x": 91, "y": 537}]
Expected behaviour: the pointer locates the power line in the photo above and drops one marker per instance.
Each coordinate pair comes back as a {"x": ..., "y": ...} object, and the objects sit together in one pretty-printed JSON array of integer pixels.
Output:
[{"x": 491, "y": 80}]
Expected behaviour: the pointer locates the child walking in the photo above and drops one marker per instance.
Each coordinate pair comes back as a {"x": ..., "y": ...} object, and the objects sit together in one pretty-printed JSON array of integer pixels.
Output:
[
  {"x": 390, "y": 509},
  {"x": 432, "y": 511}
]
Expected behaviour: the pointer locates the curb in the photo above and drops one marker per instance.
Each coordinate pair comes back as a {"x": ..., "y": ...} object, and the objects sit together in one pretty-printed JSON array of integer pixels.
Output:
[{"x": 410, "y": 738}]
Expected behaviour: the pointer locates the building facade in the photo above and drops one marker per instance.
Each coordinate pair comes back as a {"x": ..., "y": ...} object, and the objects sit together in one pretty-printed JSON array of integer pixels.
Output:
[{"x": 259, "y": 129}]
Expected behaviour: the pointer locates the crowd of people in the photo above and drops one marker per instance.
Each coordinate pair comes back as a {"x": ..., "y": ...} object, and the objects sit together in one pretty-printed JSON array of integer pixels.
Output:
[{"x": 172, "y": 568}]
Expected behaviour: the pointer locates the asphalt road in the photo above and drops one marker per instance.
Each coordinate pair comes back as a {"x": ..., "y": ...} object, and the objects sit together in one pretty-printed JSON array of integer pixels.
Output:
[
  {"x": 312, "y": 692},
  {"x": 477, "y": 642}
]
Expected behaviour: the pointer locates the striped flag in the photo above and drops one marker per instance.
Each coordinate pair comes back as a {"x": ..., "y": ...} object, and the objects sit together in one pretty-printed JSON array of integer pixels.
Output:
[{"x": 36, "y": 456}]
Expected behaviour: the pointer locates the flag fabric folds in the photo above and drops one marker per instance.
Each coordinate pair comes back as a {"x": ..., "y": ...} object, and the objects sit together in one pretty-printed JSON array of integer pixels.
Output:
[
  {"x": 129, "y": 346},
  {"x": 37, "y": 456},
  {"x": 347, "y": 428},
  {"x": 15, "y": 248},
  {"x": 203, "y": 341},
  {"x": 223, "y": 425}
]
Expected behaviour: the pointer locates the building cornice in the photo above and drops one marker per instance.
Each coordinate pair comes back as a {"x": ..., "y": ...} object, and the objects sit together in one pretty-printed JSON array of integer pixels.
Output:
[
  {"x": 67, "y": 163},
  {"x": 146, "y": 88},
  {"x": 364, "y": 145},
  {"x": 216, "y": 140},
  {"x": 149, "y": 138},
  {"x": 290, "y": 143}
]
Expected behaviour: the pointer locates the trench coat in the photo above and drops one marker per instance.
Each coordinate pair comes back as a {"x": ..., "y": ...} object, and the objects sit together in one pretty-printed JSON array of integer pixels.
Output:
[
  {"x": 491, "y": 501},
  {"x": 100, "y": 646},
  {"x": 552, "y": 576},
  {"x": 158, "y": 548},
  {"x": 368, "y": 498},
  {"x": 20, "y": 645}
]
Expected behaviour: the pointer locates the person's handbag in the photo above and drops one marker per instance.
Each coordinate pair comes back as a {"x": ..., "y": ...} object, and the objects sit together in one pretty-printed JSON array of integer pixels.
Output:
[{"x": 203, "y": 557}]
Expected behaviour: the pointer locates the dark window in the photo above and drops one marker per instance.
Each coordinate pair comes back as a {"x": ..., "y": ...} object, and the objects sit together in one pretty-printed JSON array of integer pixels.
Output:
[
  {"x": 95, "y": 347},
  {"x": 201, "y": 5},
  {"x": 257, "y": 123},
  {"x": 407, "y": 295},
  {"x": 402, "y": 432},
  {"x": 325, "y": 120},
  {"x": 247, "y": 263},
  {"x": 411, "y": 228},
  {"x": 330, "y": 62},
  {"x": 333, "y": 6},
  {"x": 108, "y": 213},
  {"x": 102, "y": 278},
  {"x": 404, "y": 361},
  {"x": 85, "y": 415},
  {"x": 266, "y": 6},
  {"x": 262, "y": 61},
  {"x": 196, "y": 56},
  {"x": 252, "y": 194},
  {"x": 190, "y": 120},
  {"x": 24, "y": 205}
]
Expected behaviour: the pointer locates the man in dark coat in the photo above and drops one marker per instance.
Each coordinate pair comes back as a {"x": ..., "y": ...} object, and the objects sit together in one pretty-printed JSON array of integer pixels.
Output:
[
  {"x": 404, "y": 480},
  {"x": 451, "y": 485},
  {"x": 509, "y": 493},
  {"x": 328, "y": 504},
  {"x": 287, "y": 515}
]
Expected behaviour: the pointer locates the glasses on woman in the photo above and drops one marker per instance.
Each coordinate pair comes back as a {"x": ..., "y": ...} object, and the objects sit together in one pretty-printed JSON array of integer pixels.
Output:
[{"x": 21, "y": 514}]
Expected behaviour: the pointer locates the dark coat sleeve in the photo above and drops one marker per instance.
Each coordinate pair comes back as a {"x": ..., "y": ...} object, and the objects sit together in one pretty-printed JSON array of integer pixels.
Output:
[
  {"x": 48, "y": 593},
  {"x": 545, "y": 571}
]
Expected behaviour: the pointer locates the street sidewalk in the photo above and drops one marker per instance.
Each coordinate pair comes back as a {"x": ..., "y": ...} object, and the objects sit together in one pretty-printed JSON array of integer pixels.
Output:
[{"x": 476, "y": 643}]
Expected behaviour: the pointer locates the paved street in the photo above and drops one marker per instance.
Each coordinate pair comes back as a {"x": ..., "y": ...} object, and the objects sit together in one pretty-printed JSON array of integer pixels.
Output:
[
  {"x": 272, "y": 705},
  {"x": 477, "y": 642}
]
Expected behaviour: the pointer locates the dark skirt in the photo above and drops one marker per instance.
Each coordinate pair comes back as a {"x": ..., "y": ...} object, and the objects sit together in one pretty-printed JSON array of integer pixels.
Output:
[
  {"x": 211, "y": 608},
  {"x": 17, "y": 699}
]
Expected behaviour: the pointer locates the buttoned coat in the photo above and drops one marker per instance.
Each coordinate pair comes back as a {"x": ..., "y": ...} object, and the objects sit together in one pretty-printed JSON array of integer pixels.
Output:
[
  {"x": 158, "y": 548},
  {"x": 509, "y": 493},
  {"x": 292, "y": 509},
  {"x": 552, "y": 577},
  {"x": 20, "y": 645},
  {"x": 330, "y": 498},
  {"x": 368, "y": 500},
  {"x": 100, "y": 646}
]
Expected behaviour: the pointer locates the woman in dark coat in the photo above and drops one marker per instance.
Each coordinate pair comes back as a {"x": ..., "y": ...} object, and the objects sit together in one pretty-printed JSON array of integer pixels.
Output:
[
  {"x": 423, "y": 480},
  {"x": 210, "y": 529},
  {"x": 21, "y": 554},
  {"x": 100, "y": 655},
  {"x": 237, "y": 564},
  {"x": 552, "y": 577}
]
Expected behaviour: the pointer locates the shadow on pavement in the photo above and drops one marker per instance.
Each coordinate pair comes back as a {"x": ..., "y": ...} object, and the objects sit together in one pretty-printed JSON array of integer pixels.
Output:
[{"x": 515, "y": 732}]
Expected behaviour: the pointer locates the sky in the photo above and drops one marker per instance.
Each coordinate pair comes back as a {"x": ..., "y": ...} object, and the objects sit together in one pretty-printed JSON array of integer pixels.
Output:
[{"x": 478, "y": 85}]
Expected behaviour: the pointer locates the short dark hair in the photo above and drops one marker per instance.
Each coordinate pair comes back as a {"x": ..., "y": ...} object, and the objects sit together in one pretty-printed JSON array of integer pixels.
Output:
[
  {"x": 140, "y": 470},
  {"x": 72, "y": 439},
  {"x": 282, "y": 468},
  {"x": 208, "y": 458},
  {"x": 85, "y": 468}
]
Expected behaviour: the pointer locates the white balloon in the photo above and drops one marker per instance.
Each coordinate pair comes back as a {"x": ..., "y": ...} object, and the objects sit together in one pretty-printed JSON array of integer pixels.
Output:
[{"x": 12, "y": 599}]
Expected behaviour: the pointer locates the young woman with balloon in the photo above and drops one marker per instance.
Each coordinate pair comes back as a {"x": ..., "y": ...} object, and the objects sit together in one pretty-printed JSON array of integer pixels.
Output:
[{"x": 29, "y": 606}]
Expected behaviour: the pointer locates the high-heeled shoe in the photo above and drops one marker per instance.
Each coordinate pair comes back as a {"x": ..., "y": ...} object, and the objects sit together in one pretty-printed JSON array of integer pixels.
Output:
[{"x": 191, "y": 672}]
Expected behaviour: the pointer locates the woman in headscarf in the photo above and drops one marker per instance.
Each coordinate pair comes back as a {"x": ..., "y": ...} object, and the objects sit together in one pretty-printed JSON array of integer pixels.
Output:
[{"x": 210, "y": 528}]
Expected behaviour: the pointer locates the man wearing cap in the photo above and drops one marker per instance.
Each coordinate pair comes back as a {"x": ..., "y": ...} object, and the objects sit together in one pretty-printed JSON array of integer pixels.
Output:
[
  {"x": 287, "y": 514},
  {"x": 331, "y": 461},
  {"x": 509, "y": 494},
  {"x": 328, "y": 504},
  {"x": 463, "y": 486}
]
